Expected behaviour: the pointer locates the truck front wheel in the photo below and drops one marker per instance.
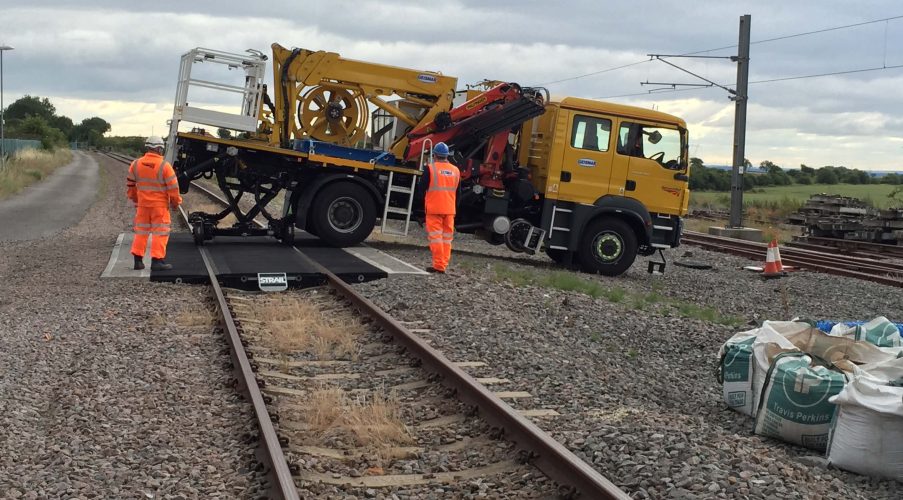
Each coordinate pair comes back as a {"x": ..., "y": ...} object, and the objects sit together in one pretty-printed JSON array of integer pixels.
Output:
[
  {"x": 608, "y": 246},
  {"x": 343, "y": 214}
]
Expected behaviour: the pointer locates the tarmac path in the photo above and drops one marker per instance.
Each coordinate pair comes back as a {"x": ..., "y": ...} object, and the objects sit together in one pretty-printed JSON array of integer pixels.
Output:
[{"x": 53, "y": 204}]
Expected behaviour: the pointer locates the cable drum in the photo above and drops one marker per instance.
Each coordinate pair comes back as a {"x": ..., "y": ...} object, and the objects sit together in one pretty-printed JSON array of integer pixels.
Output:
[{"x": 331, "y": 113}]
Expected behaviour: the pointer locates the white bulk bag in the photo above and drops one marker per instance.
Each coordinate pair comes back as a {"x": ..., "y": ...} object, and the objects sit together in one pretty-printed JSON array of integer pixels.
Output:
[{"x": 867, "y": 437}]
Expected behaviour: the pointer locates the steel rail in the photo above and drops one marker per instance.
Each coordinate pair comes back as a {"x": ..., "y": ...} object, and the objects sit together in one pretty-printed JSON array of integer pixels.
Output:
[
  {"x": 547, "y": 454},
  {"x": 849, "y": 262},
  {"x": 851, "y": 245},
  {"x": 281, "y": 484},
  {"x": 821, "y": 262},
  {"x": 544, "y": 452}
]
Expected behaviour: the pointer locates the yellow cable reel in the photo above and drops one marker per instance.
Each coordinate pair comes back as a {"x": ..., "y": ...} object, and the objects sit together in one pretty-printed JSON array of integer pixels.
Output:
[{"x": 332, "y": 113}]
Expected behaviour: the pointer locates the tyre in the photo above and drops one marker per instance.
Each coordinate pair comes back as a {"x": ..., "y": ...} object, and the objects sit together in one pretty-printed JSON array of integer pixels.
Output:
[
  {"x": 608, "y": 246},
  {"x": 343, "y": 214}
]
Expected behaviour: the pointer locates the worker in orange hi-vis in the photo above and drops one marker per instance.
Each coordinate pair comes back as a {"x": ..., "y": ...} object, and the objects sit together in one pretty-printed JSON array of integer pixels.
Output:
[
  {"x": 442, "y": 180},
  {"x": 153, "y": 187}
]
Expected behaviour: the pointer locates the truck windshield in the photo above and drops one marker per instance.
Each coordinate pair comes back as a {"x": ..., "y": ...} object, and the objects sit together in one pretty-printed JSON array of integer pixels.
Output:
[{"x": 656, "y": 143}]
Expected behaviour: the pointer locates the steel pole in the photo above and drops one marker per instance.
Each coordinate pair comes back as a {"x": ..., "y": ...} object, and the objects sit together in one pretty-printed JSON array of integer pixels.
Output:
[
  {"x": 741, "y": 99},
  {"x": 2, "y": 119}
]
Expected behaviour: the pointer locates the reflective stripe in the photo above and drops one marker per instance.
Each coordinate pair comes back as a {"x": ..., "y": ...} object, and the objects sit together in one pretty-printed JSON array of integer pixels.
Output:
[
  {"x": 169, "y": 179},
  {"x": 432, "y": 233},
  {"x": 152, "y": 188},
  {"x": 442, "y": 189},
  {"x": 152, "y": 225}
]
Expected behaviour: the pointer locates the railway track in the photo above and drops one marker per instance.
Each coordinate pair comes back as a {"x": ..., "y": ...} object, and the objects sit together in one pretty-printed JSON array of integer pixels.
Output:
[
  {"x": 484, "y": 437},
  {"x": 884, "y": 272},
  {"x": 852, "y": 247}
]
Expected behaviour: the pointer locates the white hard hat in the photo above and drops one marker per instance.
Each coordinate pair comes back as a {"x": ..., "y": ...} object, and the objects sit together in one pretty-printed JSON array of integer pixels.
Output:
[{"x": 154, "y": 141}]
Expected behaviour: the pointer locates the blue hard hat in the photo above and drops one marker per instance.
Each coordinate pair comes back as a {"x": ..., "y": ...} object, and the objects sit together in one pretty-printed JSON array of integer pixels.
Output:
[{"x": 440, "y": 149}]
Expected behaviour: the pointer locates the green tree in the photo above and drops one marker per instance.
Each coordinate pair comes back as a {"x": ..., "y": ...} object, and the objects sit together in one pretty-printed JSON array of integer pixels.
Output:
[
  {"x": 27, "y": 106},
  {"x": 37, "y": 128},
  {"x": 826, "y": 175},
  {"x": 63, "y": 123},
  {"x": 90, "y": 131},
  {"x": 892, "y": 179},
  {"x": 224, "y": 133}
]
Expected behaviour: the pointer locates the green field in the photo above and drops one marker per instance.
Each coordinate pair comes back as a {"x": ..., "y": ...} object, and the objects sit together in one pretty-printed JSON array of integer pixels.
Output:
[{"x": 788, "y": 198}]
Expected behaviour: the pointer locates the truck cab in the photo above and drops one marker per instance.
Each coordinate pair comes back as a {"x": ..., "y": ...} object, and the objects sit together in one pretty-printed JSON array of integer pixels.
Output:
[{"x": 614, "y": 180}]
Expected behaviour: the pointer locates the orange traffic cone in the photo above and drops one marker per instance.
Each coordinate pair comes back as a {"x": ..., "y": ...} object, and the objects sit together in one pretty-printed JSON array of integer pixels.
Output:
[{"x": 773, "y": 266}]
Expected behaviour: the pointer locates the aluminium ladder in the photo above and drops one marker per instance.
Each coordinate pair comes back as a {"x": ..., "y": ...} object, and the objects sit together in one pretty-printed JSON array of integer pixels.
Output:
[{"x": 426, "y": 152}]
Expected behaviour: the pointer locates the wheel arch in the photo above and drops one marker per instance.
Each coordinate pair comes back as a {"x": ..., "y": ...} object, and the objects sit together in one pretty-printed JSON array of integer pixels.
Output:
[{"x": 629, "y": 210}]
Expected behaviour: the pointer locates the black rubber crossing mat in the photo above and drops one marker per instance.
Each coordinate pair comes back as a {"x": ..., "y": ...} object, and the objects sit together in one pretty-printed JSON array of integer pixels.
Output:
[{"x": 237, "y": 262}]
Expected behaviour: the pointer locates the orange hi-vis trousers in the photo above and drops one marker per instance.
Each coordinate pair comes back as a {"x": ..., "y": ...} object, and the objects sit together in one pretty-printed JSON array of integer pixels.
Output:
[
  {"x": 441, "y": 230},
  {"x": 151, "y": 222}
]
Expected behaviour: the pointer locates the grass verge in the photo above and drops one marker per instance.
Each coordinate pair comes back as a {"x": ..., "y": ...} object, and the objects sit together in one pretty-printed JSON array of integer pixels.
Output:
[
  {"x": 30, "y": 166},
  {"x": 573, "y": 282},
  {"x": 783, "y": 200},
  {"x": 781, "y": 232}
]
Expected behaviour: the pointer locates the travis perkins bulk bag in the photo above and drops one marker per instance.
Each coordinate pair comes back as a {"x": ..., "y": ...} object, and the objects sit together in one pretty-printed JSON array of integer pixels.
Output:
[
  {"x": 742, "y": 368},
  {"x": 794, "y": 404},
  {"x": 879, "y": 331}
]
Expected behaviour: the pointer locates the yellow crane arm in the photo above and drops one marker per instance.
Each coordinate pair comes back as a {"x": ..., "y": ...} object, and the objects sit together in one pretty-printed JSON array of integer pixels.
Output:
[{"x": 322, "y": 96}]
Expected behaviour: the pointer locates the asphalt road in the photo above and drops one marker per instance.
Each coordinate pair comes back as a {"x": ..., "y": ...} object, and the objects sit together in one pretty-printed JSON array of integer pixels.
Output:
[{"x": 48, "y": 207}]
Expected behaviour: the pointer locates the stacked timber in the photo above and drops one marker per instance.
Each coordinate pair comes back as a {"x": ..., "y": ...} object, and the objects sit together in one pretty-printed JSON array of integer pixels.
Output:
[{"x": 835, "y": 216}]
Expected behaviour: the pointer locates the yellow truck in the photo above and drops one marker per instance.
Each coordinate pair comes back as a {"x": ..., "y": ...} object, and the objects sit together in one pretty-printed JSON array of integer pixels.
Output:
[{"x": 592, "y": 184}]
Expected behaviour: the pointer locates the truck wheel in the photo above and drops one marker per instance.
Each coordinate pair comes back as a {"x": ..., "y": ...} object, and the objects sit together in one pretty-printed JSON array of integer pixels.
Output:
[
  {"x": 343, "y": 214},
  {"x": 608, "y": 247}
]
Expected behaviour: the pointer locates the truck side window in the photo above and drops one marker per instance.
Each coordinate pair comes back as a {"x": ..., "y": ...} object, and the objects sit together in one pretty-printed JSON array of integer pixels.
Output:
[
  {"x": 589, "y": 133},
  {"x": 655, "y": 143}
]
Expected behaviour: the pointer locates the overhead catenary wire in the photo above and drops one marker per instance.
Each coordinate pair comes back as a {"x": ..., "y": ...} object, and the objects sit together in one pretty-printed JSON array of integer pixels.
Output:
[
  {"x": 885, "y": 20},
  {"x": 769, "y": 80},
  {"x": 606, "y": 70}
]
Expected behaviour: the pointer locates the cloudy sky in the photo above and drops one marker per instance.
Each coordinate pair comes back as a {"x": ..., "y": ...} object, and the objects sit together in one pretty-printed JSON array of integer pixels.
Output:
[{"x": 119, "y": 60}]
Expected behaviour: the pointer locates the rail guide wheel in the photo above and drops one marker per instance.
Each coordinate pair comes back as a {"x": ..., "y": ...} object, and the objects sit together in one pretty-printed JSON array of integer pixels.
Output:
[
  {"x": 287, "y": 234},
  {"x": 197, "y": 232}
]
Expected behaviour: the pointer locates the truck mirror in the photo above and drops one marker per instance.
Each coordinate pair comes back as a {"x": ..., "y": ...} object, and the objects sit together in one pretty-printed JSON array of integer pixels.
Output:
[{"x": 655, "y": 136}]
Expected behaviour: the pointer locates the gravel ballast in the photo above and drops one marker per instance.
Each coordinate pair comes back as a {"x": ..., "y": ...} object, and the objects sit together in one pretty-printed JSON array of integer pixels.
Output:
[
  {"x": 112, "y": 388},
  {"x": 631, "y": 370}
]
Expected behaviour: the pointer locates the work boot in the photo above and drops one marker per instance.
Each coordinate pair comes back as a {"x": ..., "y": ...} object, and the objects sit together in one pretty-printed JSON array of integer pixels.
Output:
[
  {"x": 139, "y": 262},
  {"x": 160, "y": 265},
  {"x": 432, "y": 269}
]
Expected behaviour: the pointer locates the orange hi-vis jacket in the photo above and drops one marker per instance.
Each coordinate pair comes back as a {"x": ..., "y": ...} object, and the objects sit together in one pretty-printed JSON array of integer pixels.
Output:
[
  {"x": 440, "y": 195},
  {"x": 152, "y": 182}
]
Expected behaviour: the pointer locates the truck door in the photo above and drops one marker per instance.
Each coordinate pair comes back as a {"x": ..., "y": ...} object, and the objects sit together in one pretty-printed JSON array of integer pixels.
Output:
[
  {"x": 586, "y": 162},
  {"x": 649, "y": 157}
]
